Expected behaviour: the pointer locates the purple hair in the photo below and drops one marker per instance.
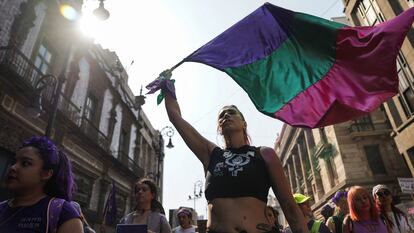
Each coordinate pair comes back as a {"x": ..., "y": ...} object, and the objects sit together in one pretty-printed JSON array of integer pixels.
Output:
[
  {"x": 338, "y": 195},
  {"x": 61, "y": 184}
]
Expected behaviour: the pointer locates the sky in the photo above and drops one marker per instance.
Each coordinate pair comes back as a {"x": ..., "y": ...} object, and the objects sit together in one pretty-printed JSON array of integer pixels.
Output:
[{"x": 154, "y": 36}]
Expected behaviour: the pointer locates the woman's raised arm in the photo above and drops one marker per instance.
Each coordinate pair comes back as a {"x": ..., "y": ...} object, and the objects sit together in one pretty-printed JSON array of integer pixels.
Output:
[{"x": 199, "y": 145}]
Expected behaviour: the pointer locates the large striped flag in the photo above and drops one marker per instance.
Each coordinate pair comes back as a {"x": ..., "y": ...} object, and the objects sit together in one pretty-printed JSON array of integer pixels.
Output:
[{"x": 308, "y": 71}]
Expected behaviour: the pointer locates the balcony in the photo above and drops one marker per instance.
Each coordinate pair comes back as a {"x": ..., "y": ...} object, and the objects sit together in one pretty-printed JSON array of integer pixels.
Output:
[
  {"x": 20, "y": 68},
  {"x": 128, "y": 164},
  {"x": 88, "y": 128},
  {"x": 365, "y": 128}
]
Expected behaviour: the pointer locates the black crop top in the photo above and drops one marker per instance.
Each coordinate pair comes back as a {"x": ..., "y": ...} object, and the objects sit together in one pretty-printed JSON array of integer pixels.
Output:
[{"x": 237, "y": 173}]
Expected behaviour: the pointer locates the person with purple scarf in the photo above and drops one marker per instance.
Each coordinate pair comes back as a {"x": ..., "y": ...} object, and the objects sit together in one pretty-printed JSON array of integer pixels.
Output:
[{"x": 42, "y": 183}]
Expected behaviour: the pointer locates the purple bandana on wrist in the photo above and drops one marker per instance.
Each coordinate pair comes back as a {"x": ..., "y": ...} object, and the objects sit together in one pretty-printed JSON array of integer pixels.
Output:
[{"x": 166, "y": 85}]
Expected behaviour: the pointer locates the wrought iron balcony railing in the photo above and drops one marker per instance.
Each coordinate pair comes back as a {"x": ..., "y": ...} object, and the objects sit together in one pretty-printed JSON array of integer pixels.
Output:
[
  {"x": 129, "y": 163},
  {"x": 14, "y": 61},
  {"x": 88, "y": 128}
]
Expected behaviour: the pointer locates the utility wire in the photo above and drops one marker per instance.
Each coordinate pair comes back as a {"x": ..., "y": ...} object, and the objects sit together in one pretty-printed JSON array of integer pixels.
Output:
[{"x": 330, "y": 7}]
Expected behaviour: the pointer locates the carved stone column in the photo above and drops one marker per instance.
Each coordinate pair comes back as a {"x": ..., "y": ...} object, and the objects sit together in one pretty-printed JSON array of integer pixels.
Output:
[
  {"x": 303, "y": 163},
  {"x": 291, "y": 175},
  {"x": 317, "y": 182},
  {"x": 96, "y": 191},
  {"x": 297, "y": 173},
  {"x": 105, "y": 187}
]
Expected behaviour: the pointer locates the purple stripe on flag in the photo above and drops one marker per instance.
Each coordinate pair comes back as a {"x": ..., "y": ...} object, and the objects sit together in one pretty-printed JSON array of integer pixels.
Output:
[{"x": 251, "y": 35}]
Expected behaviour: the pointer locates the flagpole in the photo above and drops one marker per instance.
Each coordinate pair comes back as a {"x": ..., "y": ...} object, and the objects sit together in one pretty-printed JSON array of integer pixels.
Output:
[
  {"x": 177, "y": 65},
  {"x": 182, "y": 61}
]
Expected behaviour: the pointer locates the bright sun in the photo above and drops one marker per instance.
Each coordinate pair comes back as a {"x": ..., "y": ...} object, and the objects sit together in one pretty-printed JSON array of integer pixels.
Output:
[{"x": 89, "y": 25}]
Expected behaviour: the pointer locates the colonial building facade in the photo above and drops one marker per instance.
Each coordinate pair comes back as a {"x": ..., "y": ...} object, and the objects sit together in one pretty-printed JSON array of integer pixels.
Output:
[
  {"x": 400, "y": 109},
  {"x": 319, "y": 162},
  {"x": 99, "y": 122}
]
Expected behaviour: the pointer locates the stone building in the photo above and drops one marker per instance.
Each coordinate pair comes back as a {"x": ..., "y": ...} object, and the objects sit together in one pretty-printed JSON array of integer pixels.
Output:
[
  {"x": 400, "y": 109},
  {"x": 99, "y": 122},
  {"x": 319, "y": 162}
]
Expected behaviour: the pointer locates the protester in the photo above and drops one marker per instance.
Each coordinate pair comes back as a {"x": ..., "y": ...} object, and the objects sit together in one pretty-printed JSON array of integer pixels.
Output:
[
  {"x": 363, "y": 215},
  {"x": 394, "y": 217},
  {"x": 327, "y": 211},
  {"x": 272, "y": 216},
  {"x": 41, "y": 181},
  {"x": 185, "y": 220},
  {"x": 85, "y": 224},
  {"x": 314, "y": 226},
  {"x": 335, "y": 223},
  {"x": 239, "y": 176},
  {"x": 148, "y": 210}
]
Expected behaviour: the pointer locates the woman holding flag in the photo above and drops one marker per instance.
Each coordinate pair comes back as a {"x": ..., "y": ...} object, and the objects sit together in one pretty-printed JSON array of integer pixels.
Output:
[{"x": 238, "y": 176}]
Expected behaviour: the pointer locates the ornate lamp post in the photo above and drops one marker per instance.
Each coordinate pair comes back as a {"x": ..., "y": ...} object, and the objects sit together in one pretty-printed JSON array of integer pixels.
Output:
[
  {"x": 169, "y": 132},
  {"x": 196, "y": 195}
]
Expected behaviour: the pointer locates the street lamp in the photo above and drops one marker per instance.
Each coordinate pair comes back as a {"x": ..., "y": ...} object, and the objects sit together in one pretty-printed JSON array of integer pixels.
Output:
[
  {"x": 100, "y": 12},
  {"x": 169, "y": 132},
  {"x": 35, "y": 108},
  {"x": 196, "y": 195}
]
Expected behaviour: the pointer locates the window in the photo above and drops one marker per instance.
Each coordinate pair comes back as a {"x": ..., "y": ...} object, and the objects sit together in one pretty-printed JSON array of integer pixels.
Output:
[
  {"x": 362, "y": 124},
  {"x": 43, "y": 58},
  {"x": 406, "y": 78},
  {"x": 123, "y": 143},
  {"x": 410, "y": 153},
  {"x": 370, "y": 12},
  {"x": 90, "y": 108},
  {"x": 375, "y": 160},
  {"x": 394, "y": 113}
]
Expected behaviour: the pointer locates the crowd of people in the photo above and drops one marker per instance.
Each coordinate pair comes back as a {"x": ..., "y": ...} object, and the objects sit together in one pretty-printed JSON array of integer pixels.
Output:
[{"x": 238, "y": 179}]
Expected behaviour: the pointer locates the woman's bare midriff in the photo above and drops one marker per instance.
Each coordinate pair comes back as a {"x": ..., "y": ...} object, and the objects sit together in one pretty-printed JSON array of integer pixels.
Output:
[{"x": 234, "y": 215}]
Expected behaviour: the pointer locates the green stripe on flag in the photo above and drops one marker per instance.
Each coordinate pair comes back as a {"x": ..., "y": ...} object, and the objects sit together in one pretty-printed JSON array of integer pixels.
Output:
[{"x": 276, "y": 79}]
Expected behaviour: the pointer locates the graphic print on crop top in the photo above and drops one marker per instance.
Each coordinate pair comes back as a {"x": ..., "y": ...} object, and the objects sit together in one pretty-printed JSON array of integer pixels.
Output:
[
  {"x": 237, "y": 172},
  {"x": 235, "y": 162}
]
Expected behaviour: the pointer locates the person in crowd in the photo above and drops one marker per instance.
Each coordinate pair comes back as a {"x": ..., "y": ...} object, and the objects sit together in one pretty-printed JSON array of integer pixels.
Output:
[
  {"x": 148, "y": 210},
  {"x": 185, "y": 221},
  {"x": 363, "y": 215},
  {"x": 85, "y": 224},
  {"x": 314, "y": 226},
  {"x": 238, "y": 176},
  {"x": 335, "y": 223},
  {"x": 327, "y": 211},
  {"x": 272, "y": 216},
  {"x": 41, "y": 181},
  {"x": 393, "y": 217}
]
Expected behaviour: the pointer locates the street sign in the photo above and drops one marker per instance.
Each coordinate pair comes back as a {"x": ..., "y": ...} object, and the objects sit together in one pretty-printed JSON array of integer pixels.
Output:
[{"x": 407, "y": 185}]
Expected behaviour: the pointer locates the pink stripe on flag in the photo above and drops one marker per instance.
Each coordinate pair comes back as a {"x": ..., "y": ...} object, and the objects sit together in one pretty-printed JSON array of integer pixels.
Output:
[{"x": 363, "y": 76}]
